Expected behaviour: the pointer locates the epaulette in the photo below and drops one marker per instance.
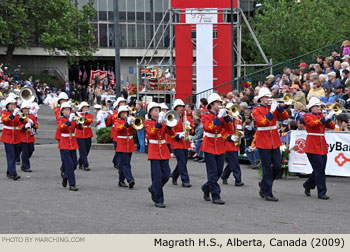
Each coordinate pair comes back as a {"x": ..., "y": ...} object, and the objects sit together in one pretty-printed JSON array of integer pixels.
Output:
[{"x": 206, "y": 113}]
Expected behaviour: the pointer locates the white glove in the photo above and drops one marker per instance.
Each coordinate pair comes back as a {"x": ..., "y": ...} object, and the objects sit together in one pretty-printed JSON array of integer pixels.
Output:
[
  {"x": 181, "y": 135},
  {"x": 330, "y": 114},
  {"x": 27, "y": 125},
  {"x": 110, "y": 112},
  {"x": 348, "y": 100},
  {"x": 274, "y": 106},
  {"x": 161, "y": 117},
  {"x": 71, "y": 117},
  {"x": 222, "y": 113},
  {"x": 130, "y": 120},
  {"x": 187, "y": 123},
  {"x": 15, "y": 111},
  {"x": 30, "y": 121},
  {"x": 234, "y": 138}
]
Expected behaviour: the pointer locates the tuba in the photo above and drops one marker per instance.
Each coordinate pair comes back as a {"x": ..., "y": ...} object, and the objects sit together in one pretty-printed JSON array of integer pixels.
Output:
[
  {"x": 171, "y": 119},
  {"x": 27, "y": 93}
]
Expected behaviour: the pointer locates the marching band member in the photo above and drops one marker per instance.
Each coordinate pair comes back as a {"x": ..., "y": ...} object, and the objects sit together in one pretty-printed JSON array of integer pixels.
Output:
[
  {"x": 180, "y": 146},
  {"x": 316, "y": 146},
  {"x": 62, "y": 98},
  {"x": 27, "y": 136},
  {"x": 232, "y": 151},
  {"x": 158, "y": 152},
  {"x": 110, "y": 121},
  {"x": 125, "y": 147},
  {"x": 10, "y": 135},
  {"x": 268, "y": 141},
  {"x": 68, "y": 144},
  {"x": 214, "y": 120},
  {"x": 84, "y": 136}
]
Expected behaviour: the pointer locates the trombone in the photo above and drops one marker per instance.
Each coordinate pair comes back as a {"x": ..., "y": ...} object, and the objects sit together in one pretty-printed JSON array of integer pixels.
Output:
[{"x": 338, "y": 109}]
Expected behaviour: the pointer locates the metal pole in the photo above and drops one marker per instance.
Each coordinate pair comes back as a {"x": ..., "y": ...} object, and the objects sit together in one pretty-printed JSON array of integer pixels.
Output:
[
  {"x": 117, "y": 49},
  {"x": 171, "y": 39},
  {"x": 232, "y": 47},
  {"x": 138, "y": 80},
  {"x": 239, "y": 44}
]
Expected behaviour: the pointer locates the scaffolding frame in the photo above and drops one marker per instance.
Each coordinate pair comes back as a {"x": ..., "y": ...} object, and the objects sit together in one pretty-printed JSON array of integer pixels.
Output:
[{"x": 174, "y": 19}]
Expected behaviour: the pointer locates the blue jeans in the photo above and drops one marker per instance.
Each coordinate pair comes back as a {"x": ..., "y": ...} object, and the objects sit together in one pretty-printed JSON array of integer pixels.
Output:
[
  {"x": 252, "y": 156},
  {"x": 141, "y": 138},
  {"x": 198, "y": 147}
]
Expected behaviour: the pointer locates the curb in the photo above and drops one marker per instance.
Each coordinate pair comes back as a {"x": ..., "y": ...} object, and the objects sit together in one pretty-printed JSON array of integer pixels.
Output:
[{"x": 102, "y": 147}]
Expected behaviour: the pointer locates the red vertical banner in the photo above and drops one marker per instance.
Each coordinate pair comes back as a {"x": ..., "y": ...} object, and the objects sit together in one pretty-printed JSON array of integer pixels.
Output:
[
  {"x": 184, "y": 61},
  {"x": 222, "y": 55}
]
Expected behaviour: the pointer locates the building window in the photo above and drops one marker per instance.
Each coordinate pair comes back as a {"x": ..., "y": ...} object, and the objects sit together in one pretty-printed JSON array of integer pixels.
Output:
[
  {"x": 130, "y": 7},
  {"x": 102, "y": 10},
  {"x": 103, "y": 35}
]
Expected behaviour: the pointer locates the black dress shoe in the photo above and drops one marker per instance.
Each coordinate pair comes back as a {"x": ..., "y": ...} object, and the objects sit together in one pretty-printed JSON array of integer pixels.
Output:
[
  {"x": 218, "y": 202},
  {"x": 18, "y": 163},
  {"x": 80, "y": 166},
  {"x": 261, "y": 191},
  {"x": 64, "y": 182},
  {"x": 271, "y": 198},
  {"x": 152, "y": 193},
  {"x": 160, "y": 205},
  {"x": 86, "y": 168},
  {"x": 307, "y": 191},
  {"x": 224, "y": 181},
  {"x": 174, "y": 181},
  {"x": 324, "y": 197},
  {"x": 202, "y": 160},
  {"x": 239, "y": 183},
  {"x": 8, "y": 175},
  {"x": 131, "y": 184},
  {"x": 27, "y": 170},
  {"x": 196, "y": 158},
  {"x": 206, "y": 195},
  {"x": 122, "y": 184},
  {"x": 73, "y": 188},
  {"x": 116, "y": 166},
  {"x": 186, "y": 185},
  {"x": 16, "y": 177}
]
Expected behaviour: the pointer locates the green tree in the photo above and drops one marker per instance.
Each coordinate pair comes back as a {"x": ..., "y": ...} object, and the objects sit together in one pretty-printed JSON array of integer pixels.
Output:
[
  {"x": 58, "y": 26},
  {"x": 288, "y": 28}
]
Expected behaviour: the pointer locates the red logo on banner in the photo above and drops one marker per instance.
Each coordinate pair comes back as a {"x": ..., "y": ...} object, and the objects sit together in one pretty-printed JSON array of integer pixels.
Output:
[
  {"x": 98, "y": 74},
  {"x": 300, "y": 146},
  {"x": 341, "y": 159}
]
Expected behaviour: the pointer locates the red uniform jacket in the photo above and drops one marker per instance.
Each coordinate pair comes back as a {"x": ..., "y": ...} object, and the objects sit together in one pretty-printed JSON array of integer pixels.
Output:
[
  {"x": 57, "y": 115},
  {"x": 268, "y": 138},
  {"x": 157, "y": 147},
  {"x": 68, "y": 139},
  {"x": 24, "y": 133},
  {"x": 316, "y": 124},
  {"x": 86, "y": 131},
  {"x": 176, "y": 142},
  {"x": 124, "y": 133},
  {"x": 213, "y": 125},
  {"x": 10, "y": 131},
  {"x": 226, "y": 135},
  {"x": 110, "y": 121}
]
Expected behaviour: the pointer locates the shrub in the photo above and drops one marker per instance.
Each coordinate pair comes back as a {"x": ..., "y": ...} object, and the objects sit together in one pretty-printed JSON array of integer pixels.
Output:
[{"x": 104, "y": 135}]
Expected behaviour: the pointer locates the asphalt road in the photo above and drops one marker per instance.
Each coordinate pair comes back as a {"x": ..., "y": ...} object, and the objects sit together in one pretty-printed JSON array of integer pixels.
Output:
[{"x": 39, "y": 204}]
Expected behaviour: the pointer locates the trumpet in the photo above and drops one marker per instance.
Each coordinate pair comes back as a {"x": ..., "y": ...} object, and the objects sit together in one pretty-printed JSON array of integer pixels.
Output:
[
  {"x": 22, "y": 115},
  {"x": 287, "y": 99},
  {"x": 139, "y": 123},
  {"x": 79, "y": 118},
  {"x": 76, "y": 104}
]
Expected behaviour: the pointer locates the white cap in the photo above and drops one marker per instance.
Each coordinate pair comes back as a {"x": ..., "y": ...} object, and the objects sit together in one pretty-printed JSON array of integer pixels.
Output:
[
  {"x": 123, "y": 108},
  {"x": 229, "y": 105},
  {"x": 314, "y": 101},
  {"x": 152, "y": 105},
  {"x": 331, "y": 74},
  {"x": 262, "y": 93},
  {"x": 178, "y": 102},
  {"x": 66, "y": 105},
  {"x": 83, "y": 104},
  {"x": 97, "y": 106},
  {"x": 9, "y": 100},
  {"x": 26, "y": 104},
  {"x": 62, "y": 96},
  {"x": 214, "y": 97},
  {"x": 116, "y": 103},
  {"x": 13, "y": 95},
  {"x": 163, "y": 106}
]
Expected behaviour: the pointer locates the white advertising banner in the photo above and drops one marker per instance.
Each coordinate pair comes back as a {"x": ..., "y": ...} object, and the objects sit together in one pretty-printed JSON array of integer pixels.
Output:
[
  {"x": 338, "y": 157},
  {"x": 204, "y": 57},
  {"x": 201, "y": 16}
]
